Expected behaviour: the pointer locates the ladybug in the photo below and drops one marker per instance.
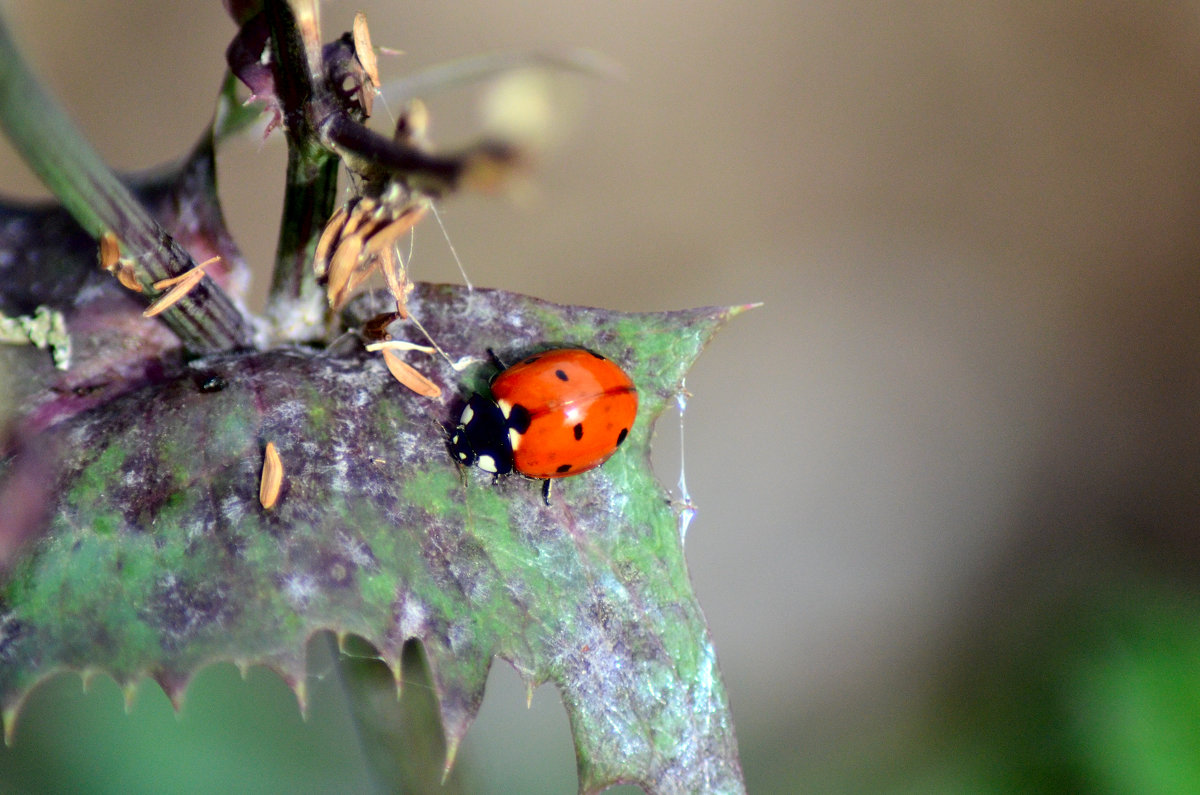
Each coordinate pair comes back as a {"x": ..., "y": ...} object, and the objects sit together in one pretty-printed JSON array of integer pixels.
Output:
[{"x": 551, "y": 415}]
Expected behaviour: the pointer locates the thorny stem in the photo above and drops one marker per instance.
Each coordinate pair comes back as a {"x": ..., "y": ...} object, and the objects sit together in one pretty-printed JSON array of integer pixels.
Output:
[
  {"x": 322, "y": 130},
  {"x": 206, "y": 320},
  {"x": 296, "y": 303}
]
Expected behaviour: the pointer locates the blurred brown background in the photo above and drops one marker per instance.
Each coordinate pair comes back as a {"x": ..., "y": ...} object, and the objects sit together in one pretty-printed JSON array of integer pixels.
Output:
[{"x": 975, "y": 230}]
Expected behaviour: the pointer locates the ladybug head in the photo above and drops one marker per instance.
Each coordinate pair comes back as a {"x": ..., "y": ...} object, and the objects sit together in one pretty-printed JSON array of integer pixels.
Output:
[{"x": 481, "y": 437}]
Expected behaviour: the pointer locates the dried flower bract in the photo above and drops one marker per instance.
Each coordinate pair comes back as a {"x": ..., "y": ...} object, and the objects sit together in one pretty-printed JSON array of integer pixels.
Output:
[{"x": 359, "y": 238}]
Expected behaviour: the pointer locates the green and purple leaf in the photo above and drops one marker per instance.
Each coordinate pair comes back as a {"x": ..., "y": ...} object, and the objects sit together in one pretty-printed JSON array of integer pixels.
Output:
[{"x": 152, "y": 556}]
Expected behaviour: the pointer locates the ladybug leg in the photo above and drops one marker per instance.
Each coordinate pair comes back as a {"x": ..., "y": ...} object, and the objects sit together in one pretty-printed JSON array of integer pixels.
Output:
[{"x": 546, "y": 491}]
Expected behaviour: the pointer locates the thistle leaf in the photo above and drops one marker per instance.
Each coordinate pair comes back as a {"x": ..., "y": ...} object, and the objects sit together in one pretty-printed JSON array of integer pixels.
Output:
[{"x": 153, "y": 556}]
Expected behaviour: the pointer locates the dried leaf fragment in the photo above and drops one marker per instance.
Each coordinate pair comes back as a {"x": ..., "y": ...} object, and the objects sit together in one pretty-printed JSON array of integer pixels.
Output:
[
  {"x": 406, "y": 374},
  {"x": 272, "y": 477}
]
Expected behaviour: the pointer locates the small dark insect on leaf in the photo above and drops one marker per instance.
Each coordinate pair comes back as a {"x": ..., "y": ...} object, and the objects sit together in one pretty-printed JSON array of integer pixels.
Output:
[
  {"x": 210, "y": 382},
  {"x": 272, "y": 477}
]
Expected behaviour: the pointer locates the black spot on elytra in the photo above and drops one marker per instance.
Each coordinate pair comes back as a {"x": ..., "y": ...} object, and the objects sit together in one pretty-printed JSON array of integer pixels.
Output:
[
  {"x": 622, "y": 435},
  {"x": 519, "y": 418},
  {"x": 560, "y": 375},
  {"x": 578, "y": 431},
  {"x": 563, "y": 469}
]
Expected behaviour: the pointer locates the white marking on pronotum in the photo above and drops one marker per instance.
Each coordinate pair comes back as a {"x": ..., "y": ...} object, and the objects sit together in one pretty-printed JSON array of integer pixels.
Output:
[
  {"x": 486, "y": 463},
  {"x": 467, "y": 415},
  {"x": 514, "y": 438}
]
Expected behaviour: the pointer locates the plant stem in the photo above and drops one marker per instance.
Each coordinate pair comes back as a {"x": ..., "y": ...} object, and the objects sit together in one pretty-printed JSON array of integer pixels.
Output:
[
  {"x": 296, "y": 302},
  {"x": 206, "y": 320}
]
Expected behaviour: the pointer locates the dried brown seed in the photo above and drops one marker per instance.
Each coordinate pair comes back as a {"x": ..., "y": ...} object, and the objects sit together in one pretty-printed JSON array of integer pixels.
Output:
[
  {"x": 365, "y": 267},
  {"x": 180, "y": 286},
  {"x": 406, "y": 374},
  {"x": 362, "y": 210},
  {"x": 272, "y": 477}
]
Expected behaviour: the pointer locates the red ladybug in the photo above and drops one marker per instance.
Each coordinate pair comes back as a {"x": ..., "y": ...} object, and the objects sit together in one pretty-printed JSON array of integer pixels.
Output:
[{"x": 553, "y": 414}]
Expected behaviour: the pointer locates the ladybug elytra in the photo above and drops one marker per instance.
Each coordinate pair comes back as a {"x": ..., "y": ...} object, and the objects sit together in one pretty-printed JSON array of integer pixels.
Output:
[{"x": 551, "y": 415}]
